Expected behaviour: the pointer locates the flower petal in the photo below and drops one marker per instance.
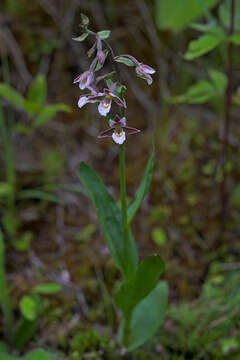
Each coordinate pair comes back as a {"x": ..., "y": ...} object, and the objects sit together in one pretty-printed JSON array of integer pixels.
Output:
[
  {"x": 117, "y": 100},
  {"x": 82, "y": 101},
  {"x": 105, "y": 133},
  {"x": 123, "y": 121},
  {"x": 147, "y": 69},
  {"x": 117, "y": 118},
  {"x": 104, "y": 107},
  {"x": 130, "y": 130},
  {"x": 77, "y": 79},
  {"x": 119, "y": 138},
  {"x": 112, "y": 123}
]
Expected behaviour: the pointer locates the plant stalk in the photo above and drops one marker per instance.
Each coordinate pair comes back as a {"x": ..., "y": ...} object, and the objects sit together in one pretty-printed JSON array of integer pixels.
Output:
[
  {"x": 123, "y": 195},
  {"x": 126, "y": 329},
  {"x": 227, "y": 119}
]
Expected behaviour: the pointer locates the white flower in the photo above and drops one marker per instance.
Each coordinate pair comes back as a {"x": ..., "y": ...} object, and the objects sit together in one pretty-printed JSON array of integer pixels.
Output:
[
  {"x": 105, "y": 105},
  {"x": 82, "y": 101},
  {"x": 119, "y": 137}
]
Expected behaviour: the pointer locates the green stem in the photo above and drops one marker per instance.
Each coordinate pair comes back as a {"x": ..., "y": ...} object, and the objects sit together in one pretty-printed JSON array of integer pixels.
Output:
[
  {"x": 4, "y": 296},
  {"x": 123, "y": 196},
  {"x": 126, "y": 331}
]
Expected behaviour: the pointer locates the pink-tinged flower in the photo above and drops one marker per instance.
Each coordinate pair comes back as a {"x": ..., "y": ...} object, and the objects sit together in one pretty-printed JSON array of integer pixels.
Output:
[
  {"x": 142, "y": 70},
  {"x": 118, "y": 130},
  {"x": 100, "y": 53},
  {"x": 85, "y": 79},
  {"x": 85, "y": 99}
]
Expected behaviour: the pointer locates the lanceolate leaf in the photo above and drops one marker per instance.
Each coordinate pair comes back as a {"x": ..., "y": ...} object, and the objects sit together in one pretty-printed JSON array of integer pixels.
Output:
[
  {"x": 38, "y": 91},
  {"x": 202, "y": 45},
  {"x": 142, "y": 190},
  {"x": 147, "y": 316},
  {"x": 136, "y": 289},
  {"x": 177, "y": 14},
  {"x": 198, "y": 93},
  {"x": 38, "y": 354},
  {"x": 8, "y": 93},
  {"x": 109, "y": 216},
  {"x": 48, "y": 113}
]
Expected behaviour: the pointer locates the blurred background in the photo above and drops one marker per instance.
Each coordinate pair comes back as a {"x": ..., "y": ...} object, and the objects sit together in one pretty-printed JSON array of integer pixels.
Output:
[{"x": 50, "y": 225}]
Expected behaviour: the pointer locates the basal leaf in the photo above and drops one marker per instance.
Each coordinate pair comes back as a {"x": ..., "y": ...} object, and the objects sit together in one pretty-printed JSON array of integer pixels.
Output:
[
  {"x": 148, "y": 315},
  {"x": 136, "y": 289},
  {"x": 38, "y": 91},
  {"x": 142, "y": 190},
  {"x": 109, "y": 216}
]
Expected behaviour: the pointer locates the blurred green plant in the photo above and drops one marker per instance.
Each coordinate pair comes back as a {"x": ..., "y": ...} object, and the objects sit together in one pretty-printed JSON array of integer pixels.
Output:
[
  {"x": 208, "y": 327},
  {"x": 30, "y": 309},
  {"x": 38, "y": 113}
]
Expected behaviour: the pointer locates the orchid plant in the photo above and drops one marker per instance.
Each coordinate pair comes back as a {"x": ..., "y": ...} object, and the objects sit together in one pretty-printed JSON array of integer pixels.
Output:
[{"x": 141, "y": 297}]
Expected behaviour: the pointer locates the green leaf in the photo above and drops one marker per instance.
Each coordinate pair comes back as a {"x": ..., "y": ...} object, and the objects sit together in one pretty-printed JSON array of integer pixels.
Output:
[
  {"x": 109, "y": 216},
  {"x": 47, "y": 289},
  {"x": 175, "y": 15},
  {"x": 235, "y": 39},
  {"x": 202, "y": 45},
  {"x": 38, "y": 91},
  {"x": 203, "y": 27},
  {"x": 142, "y": 190},
  {"x": 11, "y": 95},
  {"x": 81, "y": 37},
  {"x": 29, "y": 307},
  {"x": 5, "y": 189},
  {"x": 136, "y": 289},
  {"x": 38, "y": 354},
  {"x": 104, "y": 34},
  {"x": 198, "y": 93},
  {"x": 23, "y": 332},
  {"x": 38, "y": 194},
  {"x": 147, "y": 316},
  {"x": 224, "y": 13},
  {"x": 159, "y": 236},
  {"x": 219, "y": 80},
  {"x": 85, "y": 19},
  {"x": 48, "y": 113},
  {"x": 125, "y": 61}
]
